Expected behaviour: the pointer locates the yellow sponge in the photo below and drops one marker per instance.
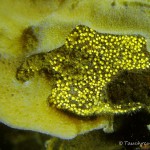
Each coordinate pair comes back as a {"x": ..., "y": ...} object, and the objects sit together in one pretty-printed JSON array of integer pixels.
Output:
[{"x": 28, "y": 27}]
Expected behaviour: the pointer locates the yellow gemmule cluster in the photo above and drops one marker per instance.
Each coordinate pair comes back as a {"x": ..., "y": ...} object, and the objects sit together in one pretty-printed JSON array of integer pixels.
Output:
[{"x": 81, "y": 69}]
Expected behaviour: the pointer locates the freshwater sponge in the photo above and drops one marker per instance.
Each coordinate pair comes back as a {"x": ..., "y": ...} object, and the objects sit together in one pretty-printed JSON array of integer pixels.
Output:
[{"x": 81, "y": 69}]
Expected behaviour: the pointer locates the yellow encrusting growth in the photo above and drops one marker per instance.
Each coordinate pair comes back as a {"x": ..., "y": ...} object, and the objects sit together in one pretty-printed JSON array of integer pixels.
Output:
[{"x": 83, "y": 67}]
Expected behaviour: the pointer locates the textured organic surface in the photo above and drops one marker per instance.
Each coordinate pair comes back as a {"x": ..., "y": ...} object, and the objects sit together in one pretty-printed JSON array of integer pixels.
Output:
[
  {"x": 82, "y": 68},
  {"x": 33, "y": 29}
]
